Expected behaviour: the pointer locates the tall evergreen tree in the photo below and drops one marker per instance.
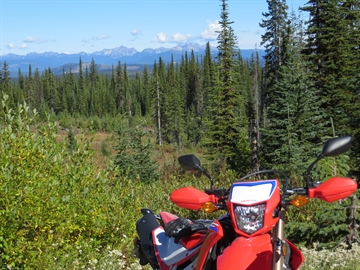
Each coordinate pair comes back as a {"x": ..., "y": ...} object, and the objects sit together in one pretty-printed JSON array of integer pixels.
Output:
[
  {"x": 254, "y": 112},
  {"x": 128, "y": 95},
  {"x": 333, "y": 53},
  {"x": 275, "y": 24},
  {"x": 209, "y": 76},
  {"x": 146, "y": 108},
  {"x": 353, "y": 20},
  {"x": 29, "y": 89},
  {"x": 5, "y": 83},
  {"x": 157, "y": 104},
  {"x": 175, "y": 107},
  {"x": 227, "y": 144},
  {"x": 82, "y": 93},
  {"x": 119, "y": 82},
  {"x": 288, "y": 139}
]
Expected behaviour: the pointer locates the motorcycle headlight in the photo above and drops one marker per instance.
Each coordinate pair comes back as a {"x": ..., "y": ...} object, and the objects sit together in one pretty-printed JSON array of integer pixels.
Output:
[{"x": 249, "y": 219}]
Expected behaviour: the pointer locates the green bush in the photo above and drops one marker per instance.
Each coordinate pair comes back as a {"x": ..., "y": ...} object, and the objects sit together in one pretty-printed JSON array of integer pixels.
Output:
[
  {"x": 56, "y": 210},
  {"x": 134, "y": 158}
]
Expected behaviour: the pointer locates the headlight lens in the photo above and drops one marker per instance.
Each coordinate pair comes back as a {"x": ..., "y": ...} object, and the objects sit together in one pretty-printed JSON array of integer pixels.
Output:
[{"x": 250, "y": 218}]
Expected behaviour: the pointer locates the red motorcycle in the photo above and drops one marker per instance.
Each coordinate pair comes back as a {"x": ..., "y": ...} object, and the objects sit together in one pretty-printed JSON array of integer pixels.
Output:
[{"x": 251, "y": 233}]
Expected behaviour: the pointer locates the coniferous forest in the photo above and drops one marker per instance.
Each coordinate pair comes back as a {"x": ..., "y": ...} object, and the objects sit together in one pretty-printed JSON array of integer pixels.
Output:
[{"x": 241, "y": 116}]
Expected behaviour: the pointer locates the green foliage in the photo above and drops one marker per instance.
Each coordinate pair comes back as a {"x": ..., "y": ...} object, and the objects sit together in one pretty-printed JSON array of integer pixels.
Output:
[
  {"x": 318, "y": 222},
  {"x": 227, "y": 142},
  {"x": 56, "y": 210},
  {"x": 134, "y": 158}
]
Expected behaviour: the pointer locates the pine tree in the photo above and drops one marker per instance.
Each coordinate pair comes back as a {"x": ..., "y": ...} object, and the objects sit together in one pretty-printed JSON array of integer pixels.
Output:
[
  {"x": 175, "y": 106},
  {"x": 274, "y": 40},
  {"x": 254, "y": 112},
  {"x": 5, "y": 83},
  {"x": 208, "y": 81},
  {"x": 119, "y": 83},
  {"x": 128, "y": 98},
  {"x": 227, "y": 145},
  {"x": 136, "y": 90},
  {"x": 333, "y": 53},
  {"x": 157, "y": 105},
  {"x": 288, "y": 139},
  {"x": 351, "y": 80},
  {"x": 194, "y": 97},
  {"x": 29, "y": 89},
  {"x": 146, "y": 108},
  {"x": 82, "y": 93},
  {"x": 71, "y": 92},
  {"x": 134, "y": 158}
]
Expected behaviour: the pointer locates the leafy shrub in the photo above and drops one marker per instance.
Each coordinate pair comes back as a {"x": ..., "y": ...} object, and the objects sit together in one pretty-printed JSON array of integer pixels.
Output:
[
  {"x": 56, "y": 210},
  {"x": 321, "y": 222}
]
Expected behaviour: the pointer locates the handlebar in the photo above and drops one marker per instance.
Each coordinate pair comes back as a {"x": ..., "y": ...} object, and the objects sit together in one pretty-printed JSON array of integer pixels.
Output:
[{"x": 218, "y": 192}]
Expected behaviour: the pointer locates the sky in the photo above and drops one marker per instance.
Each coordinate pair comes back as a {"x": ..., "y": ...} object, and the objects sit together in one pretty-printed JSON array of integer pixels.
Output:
[{"x": 73, "y": 26}]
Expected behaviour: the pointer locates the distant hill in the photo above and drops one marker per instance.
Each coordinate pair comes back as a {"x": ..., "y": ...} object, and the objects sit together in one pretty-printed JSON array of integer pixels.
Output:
[{"x": 135, "y": 61}]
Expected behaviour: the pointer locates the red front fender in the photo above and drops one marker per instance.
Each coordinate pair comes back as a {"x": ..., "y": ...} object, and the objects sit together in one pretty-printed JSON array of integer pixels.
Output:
[
  {"x": 247, "y": 253},
  {"x": 297, "y": 258}
]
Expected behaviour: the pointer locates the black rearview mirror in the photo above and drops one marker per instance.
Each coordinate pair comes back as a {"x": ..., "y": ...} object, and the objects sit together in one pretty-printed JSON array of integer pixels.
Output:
[
  {"x": 336, "y": 146},
  {"x": 189, "y": 162}
]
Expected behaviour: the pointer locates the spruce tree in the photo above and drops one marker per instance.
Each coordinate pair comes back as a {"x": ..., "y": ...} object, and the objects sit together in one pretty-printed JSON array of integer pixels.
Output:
[
  {"x": 254, "y": 111},
  {"x": 119, "y": 88},
  {"x": 275, "y": 24},
  {"x": 134, "y": 158},
  {"x": 5, "y": 83},
  {"x": 82, "y": 93},
  {"x": 333, "y": 53},
  {"x": 288, "y": 139},
  {"x": 128, "y": 98},
  {"x": 351, "y": 80},
  {"x": 157, "y": 105},
  {"x": 209, "y": 76},
  {"x": 227, "y": 145},
  {"x": 175, "y": 107}
]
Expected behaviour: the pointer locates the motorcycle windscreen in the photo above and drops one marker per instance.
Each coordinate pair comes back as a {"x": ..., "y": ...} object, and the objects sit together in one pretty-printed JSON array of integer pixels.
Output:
[
  {"x": 252, "y": 205},
  {"x": 190, "y": 198}
]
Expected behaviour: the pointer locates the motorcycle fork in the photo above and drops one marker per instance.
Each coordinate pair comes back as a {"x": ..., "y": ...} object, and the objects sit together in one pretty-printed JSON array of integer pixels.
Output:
[{"x": 278, "y": 242}]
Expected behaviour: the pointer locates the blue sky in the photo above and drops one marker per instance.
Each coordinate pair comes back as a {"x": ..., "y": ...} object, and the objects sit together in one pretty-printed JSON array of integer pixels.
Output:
[{"x": 73, "y": 26}]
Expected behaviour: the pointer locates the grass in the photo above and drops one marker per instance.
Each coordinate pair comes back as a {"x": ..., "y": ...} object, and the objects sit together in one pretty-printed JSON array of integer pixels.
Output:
[{"x": 339, "y": 258}]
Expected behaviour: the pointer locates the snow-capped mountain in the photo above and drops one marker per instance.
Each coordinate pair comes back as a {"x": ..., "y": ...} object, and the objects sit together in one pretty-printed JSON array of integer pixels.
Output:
[{"x": 104, "y": 58}]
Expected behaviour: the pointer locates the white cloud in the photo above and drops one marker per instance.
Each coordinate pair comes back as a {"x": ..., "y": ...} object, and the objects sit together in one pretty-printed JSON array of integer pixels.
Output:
[
  {"x": 180, "y": 38},
  {"x": 160, "y": 37},
  {"x": 11, "y": 46},
  {"x": 95, "y": 38},
  {"x": 35, "y": 40},
  {"x": 30, "y": 39},
  {"x": 23, "y": 46},
  {"x": 136, "y": 32},
  {"x": 211, "y": 32}
]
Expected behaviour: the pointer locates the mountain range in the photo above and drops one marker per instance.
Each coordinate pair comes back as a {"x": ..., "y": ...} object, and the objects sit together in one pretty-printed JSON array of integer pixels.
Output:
[{"x": 105, "y": 59}]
